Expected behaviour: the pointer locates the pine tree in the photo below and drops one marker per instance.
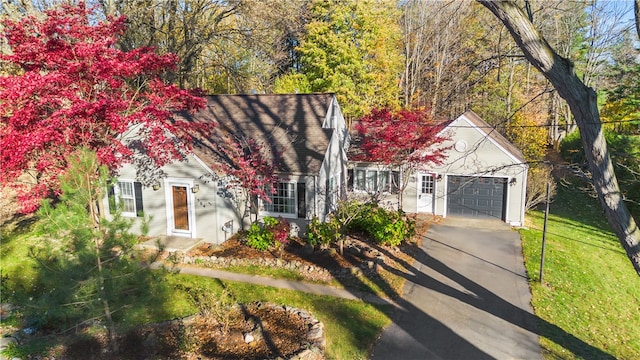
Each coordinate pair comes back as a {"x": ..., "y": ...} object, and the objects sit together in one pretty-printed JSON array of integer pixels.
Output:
[{"x": 85, "y": 262}]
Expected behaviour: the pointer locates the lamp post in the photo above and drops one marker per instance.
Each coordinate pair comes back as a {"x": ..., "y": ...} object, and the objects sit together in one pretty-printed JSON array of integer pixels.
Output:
[{"x": 544, "y": 231}]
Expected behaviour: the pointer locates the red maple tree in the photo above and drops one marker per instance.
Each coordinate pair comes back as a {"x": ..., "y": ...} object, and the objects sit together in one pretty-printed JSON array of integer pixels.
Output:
[
  {"x": 250, "y": 170},
  {"x": 69, "y": 87},
  {"x": 406, "y": 139}
]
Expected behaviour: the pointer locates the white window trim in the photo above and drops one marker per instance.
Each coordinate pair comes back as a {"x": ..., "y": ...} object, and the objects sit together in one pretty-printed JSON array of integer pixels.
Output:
[
  {"x": 434, "y": 189},
  {"x": 118, "y": 197},
  {"x": 355, "y": 188},
  {"x": 293, "y": 215},
  {"x": 168, "y": 193}
]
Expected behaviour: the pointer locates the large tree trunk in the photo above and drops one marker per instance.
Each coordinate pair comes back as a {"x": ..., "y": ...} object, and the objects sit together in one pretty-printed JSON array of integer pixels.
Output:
[
  {"x": 583, "y": 104},
  {"x": 636, "y": 13}
]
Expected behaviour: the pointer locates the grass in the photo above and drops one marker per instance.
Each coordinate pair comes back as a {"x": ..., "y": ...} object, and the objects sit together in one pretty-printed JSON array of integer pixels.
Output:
[
  {"x": 351, "y": 327},
  {"x": 16, "y": 267},
  {"x": 591, "y": 293}
]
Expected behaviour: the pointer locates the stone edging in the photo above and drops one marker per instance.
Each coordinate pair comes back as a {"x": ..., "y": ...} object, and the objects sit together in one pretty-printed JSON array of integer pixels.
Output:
[
  {"x": 297, "y": 265},
  {"x": 313, "y": 349},
  {"x": 315, "y": 336}
]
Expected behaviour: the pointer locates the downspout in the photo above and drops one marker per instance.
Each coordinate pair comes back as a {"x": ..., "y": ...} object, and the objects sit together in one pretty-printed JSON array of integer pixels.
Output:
[
  {"x": 315, "y": 195},
  {"x": 524, "y": 196}
]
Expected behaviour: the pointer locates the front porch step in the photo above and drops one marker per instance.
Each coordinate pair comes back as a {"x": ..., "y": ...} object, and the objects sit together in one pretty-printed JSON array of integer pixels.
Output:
[{"x": 171, "y": 243}]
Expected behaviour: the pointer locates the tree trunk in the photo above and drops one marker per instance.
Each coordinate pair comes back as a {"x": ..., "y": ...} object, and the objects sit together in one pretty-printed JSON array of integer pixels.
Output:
[
  {"x": 636, "y": 13},
  {"x": 583, "y": 103}
]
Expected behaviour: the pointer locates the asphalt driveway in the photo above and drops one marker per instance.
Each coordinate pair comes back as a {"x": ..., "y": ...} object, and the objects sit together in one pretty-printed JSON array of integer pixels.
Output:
[{"x": 467, "y": 298}]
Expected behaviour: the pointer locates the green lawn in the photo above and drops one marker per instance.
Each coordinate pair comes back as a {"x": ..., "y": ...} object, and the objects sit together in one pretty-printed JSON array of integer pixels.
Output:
[
  {"x": 589, "y": 304},
  {"x": 351, "y": 327}
]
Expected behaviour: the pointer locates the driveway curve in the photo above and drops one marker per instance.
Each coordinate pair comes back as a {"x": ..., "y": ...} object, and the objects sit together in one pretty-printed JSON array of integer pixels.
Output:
[{"x": 467, "y": 297}]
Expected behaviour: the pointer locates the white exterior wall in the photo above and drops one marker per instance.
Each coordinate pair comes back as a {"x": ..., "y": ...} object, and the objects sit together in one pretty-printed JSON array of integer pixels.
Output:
[
  {"x": 482, "y": 157},
  {"x": 208, "y": 210}
]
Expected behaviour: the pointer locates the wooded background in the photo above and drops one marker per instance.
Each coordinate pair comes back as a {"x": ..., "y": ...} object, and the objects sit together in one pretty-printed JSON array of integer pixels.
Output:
[{"x": 446, "y": 56}]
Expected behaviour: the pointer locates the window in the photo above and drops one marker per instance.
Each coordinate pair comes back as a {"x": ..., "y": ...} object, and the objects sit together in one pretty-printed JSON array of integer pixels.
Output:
[
  {"x": 359, "y": 184},
  {"x": 283, "y": 199},
  {"x": 129, "y": 198},
  {"x": 427, "y": 184},
  {"x": 383, "y": 180},
  {"x": 375, "y": 180},
  {"x": 372, "y": 180}
]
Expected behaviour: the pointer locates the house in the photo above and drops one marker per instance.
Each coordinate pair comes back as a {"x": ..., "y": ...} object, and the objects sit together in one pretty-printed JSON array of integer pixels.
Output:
[
  {"x": 483, "y": 176},
  {"x": 307, "y": 131}
]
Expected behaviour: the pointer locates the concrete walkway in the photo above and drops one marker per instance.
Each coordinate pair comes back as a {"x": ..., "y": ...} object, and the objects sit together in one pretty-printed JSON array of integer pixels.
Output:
[
  {"x": 283, "y": 284},
  {"x": 469, "y": 298}
]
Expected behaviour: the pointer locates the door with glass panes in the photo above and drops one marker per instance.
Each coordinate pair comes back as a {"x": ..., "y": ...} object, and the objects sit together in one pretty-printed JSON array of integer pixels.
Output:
[{"x": 426, "y": 190}]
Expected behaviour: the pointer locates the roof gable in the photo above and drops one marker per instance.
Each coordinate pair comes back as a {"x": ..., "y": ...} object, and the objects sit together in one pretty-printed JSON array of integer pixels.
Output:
[
  {"x": 290, "y": 124},
  {"x": 490, "y": 133}
]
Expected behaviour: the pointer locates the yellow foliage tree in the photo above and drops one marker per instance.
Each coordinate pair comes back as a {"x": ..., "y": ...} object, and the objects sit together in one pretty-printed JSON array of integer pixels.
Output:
[{"x": 527, "y": 132}]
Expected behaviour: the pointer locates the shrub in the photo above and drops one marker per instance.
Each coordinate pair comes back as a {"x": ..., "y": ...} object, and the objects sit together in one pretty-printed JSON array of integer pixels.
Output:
[
  {"x": 272, "y": 233},
  {"x": 258, "y": 238},
  {"x": 624, "y": 150},
  {"x": 571, "y": 149},
  {"x": 280, "y": 229},
  {"x": 384, "y": 226},
  {"x": 389, "y": 227},
  {"x": 323, "y": 233},
  {"x": 538, "y": 177}
]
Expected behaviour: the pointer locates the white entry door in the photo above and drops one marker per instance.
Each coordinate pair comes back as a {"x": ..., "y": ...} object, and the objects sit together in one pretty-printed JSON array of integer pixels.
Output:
[{"x": 426, "y": 190}]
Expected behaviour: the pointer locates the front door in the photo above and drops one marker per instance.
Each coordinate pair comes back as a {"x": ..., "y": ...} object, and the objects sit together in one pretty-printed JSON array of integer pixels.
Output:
[
  {"x": 426, "y": 190},
  {"x": 180, "y": 208}
]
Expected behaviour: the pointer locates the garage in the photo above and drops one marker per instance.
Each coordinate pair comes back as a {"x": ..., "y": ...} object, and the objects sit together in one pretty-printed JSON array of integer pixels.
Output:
[{"x": 478, "y": 197}]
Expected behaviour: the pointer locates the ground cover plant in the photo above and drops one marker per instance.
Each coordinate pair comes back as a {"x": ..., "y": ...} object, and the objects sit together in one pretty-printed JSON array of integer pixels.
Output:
[
  {"x": 351, "y": 326},
  {"x": 590, "y": 291}
]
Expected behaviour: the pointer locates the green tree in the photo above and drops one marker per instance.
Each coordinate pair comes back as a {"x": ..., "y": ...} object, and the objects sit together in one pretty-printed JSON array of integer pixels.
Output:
[
  {"x": 621, "y": 109},
  {"x": 86, "y": 264},
  {"x": 351, "y": 48},
  {"x": 583, "y": 103}
]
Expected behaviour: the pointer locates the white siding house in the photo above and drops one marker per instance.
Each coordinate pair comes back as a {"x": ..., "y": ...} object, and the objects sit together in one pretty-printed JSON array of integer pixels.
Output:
[
  {"x": 309, "y": 131},
  {"x": 483, "y": 176}
]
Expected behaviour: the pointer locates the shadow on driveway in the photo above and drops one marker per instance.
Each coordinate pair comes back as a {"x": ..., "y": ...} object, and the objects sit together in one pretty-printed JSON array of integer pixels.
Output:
[{"x": 467, "y": 297}]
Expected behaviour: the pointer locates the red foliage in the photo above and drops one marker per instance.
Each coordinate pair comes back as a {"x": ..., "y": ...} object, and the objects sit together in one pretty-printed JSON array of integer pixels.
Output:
[
  {"x": 249, "y": 164},
  {"x": 72, "y": 88},
  {"x": 281, "y": 231},
  {"x": 406, "y": 137}
]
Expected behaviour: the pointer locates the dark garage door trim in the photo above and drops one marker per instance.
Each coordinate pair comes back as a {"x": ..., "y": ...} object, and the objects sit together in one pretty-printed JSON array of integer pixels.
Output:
[{"x": 477, "y": 197}]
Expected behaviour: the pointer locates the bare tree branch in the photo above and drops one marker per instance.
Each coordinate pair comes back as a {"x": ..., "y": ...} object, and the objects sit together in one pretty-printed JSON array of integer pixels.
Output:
[{"x": 583, "y": 103}]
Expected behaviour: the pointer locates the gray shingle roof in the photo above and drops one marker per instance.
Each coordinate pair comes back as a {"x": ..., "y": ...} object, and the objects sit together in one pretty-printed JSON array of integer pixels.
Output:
[{"x": 291, "y": 125}]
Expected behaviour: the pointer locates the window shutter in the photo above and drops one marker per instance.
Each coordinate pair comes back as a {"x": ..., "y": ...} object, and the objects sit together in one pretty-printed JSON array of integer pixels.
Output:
[
  {"x": 137, "y": 191},
  {"x": 111, "y": 197},
  {"x": 302, "y": 201}
]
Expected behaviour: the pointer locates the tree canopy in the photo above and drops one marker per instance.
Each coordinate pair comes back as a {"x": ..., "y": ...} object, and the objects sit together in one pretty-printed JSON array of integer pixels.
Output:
[
  {"x": 69, "y": 87},
  {"x": 351, "y": 48}
]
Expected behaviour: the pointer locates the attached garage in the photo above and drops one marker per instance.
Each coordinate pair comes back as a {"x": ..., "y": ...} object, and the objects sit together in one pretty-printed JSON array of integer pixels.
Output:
[
  {"x": 483, "y": 176},
  {"x": 477, "y": 197}
]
